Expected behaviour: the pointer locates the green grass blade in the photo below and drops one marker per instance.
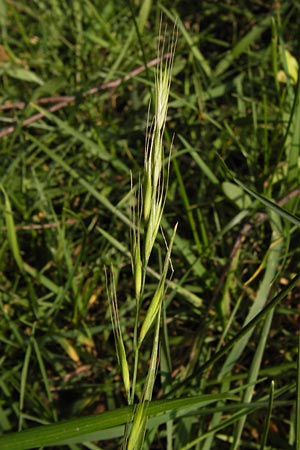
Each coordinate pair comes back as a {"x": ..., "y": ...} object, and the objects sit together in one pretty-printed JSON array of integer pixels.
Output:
[
  {"x": 297, "y": 424},
  {"x": 253, "y": 375},
  {"x": 11, "y": 230},
  {"x": 262, "y": 296},
  {"x": 258, "y": 304},
  {"x": 187, "y": 207},
  {"x": 80, "y": 430},
  {"x": 242, "y": 46},
  {"x": 268, "y": 418},
  {"x": 266, "y": 202},
  {"x": 24, "y": 382},
  {"x": 43, "y": 373},
  {"x": 45, "y": 281},
  {"x": 199, "y": 161}
]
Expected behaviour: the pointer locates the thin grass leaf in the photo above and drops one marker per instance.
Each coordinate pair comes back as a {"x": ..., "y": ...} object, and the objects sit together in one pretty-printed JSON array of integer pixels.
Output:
[
  {"x": 268, "y": 417},
  {"x": 293, "y": 143},
  {"x": 144, "y": 14},
  {"x": 259, "y": 302},
  {"x": 266, "y": 202},
  {"x": 45, "y": 281},
  {"x": 274, "y": 50},
  {"x": 223, "y": 425},
  {"x": 199, "y": 161},
  {"x": 43, "y": 373},
  {"x": 24, "y": 376},
  {"x": 242, "y": 46},
  {"x": 297, "y": 424},
  {"x": 11, "y": 230},
  {"x": 240, "y": 344},
  {"x": 253, "y": 375},
  {"x": 141, "y": 21},
  {"x": 272, "y": 263},
  {"x": 187, "y": 207}
]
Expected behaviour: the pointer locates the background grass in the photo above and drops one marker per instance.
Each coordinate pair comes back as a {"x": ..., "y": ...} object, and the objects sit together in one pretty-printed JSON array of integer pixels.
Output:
[{"x": 65, "y": 214}]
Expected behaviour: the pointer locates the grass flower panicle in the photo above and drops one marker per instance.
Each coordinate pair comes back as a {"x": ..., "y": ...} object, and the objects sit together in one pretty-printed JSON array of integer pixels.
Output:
[
  {"x": 150, "y": 207},
  {"x": 154, "y": 182}
]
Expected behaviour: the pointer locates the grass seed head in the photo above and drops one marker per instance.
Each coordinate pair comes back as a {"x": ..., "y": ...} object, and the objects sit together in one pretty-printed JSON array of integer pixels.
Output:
[
  {"x": 137, "y": 264},
  {"x": 154, "y": 182},
  {"x": 120, "y": 348}
]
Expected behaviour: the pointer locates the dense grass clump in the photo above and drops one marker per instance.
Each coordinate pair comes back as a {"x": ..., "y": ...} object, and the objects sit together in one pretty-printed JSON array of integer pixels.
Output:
[{"x": 149, "y": 217}]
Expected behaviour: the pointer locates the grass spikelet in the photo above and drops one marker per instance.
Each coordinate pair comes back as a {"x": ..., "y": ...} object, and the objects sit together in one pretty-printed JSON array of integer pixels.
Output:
[
  {"x": 120, "y": 348},
  {"x": 153, "y": 361},
  {"x": 158, "y": 295},
  {"x": 154, "y": 184},
  {"x": 137, "y": 269}
]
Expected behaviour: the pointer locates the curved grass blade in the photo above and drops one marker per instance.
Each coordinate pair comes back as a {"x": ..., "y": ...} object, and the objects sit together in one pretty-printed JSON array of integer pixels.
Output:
[{"x": 265, "y": 201}]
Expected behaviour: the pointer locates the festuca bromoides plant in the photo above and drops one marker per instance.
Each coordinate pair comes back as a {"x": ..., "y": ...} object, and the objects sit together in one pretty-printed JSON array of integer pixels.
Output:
[{"x": 149, "y": 201}]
